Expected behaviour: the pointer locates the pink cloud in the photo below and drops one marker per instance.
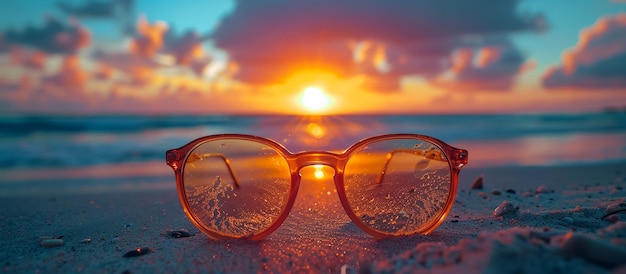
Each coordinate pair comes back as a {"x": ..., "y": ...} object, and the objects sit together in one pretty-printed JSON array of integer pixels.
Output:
[
  {"x": 29, "y": 59},
  {"x": 185, "y": 49},
  {"x": 598, "y": 60},
  {"x": 70, "y": 74},
  {"x": 149, "y": 38},
  {"x": 462, "y": 59},
  {"x": 104, "y": 72},
  {"x": 493, "y": 65},
  {"x": 64, "y": 91},
  {"x": 271, "y": 40},
  {"x": 135, "y": 68},
  {"x": 488, "y": 56}
]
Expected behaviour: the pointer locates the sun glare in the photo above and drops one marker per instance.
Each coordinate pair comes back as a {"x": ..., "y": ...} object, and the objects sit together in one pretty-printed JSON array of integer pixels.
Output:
[
  {"x": 319, "y": 172},
  {"x": 315, "y": 99}
]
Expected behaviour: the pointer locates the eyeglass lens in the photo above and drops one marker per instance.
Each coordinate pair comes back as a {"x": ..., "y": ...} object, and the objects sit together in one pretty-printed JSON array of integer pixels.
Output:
[
  {"x": 397, "y": 187},
  {"x": 236, "y": 188}
]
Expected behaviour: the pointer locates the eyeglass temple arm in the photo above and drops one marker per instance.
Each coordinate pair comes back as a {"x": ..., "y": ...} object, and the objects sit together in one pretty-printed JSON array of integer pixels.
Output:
[
  {"x": 226, "y": 162},
  {"x": 435, "y": 155}
]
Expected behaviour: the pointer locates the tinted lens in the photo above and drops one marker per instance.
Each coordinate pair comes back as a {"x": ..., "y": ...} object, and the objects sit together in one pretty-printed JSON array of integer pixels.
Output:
[
  {"x": 236, "y": 188},
  {"x": 398, "y": 186}
]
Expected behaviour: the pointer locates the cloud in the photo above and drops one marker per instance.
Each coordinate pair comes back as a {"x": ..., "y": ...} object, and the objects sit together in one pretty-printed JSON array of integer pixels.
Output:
[
  {"x": 149, "y": 39},
  {"x": 12, "y": 93},
  {"x": 158, "y": 38},
  {"x": 65, "y": 91},
  {"x": 104, "y": 72},
  {"x": 70, "y": 74},
  {"x": 29, "y": 59},
  {"x": 134, "y": 68},
  {"x": 185, "y": 48},
  {"x": 200, "y": 66},
  {"x": 273, "y": 39},
  {"x": 597, "y": 61},
  {"x": 138, "y": 64},
  {"x": 123, "y": 61},
  {"x": 491, "y": 66},
  {"x": 52, "y": 37}
]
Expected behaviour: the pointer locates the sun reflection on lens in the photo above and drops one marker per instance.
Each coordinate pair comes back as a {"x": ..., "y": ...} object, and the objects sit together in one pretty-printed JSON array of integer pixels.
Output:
[{"x": 319, "y": 172}]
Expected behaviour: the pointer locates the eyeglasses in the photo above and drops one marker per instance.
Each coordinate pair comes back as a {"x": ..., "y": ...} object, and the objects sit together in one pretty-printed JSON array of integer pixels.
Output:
[{"x": 243, "y": 186}]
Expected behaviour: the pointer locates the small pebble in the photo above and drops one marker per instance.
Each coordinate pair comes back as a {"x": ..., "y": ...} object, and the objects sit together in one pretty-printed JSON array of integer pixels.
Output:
[
  {"x": 178, "y": 234},
  {"x": 505, "y": 209},
  {"x": 496, "y": 193},
  {"x": 483, "y": 195},
  {"x": 568, "y": 220},
  {"x": 51, "y": 242},
  {"x": 612, "y": 218},
  {"x": 85, "y": 241},
  {"x": 510, "y": 191},
  {"x": 613, "y": 209},
  {"x": 478, "y": 182},
  {"x": 615, "y": 206},
  {"x": 542, "y": 190},
  {"x": 137, "y": 252}
]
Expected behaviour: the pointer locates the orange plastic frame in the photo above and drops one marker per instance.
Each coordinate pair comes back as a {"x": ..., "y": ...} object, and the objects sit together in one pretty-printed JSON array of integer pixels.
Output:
[{"x": 176, "y": 158}]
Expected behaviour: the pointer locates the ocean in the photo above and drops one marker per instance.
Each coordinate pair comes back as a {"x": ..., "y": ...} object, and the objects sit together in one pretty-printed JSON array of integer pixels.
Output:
[{"x": 41, "y": 153}]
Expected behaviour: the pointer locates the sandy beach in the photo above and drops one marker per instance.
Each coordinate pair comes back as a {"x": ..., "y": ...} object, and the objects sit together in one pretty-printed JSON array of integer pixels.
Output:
[
  {"x": 547, "y": 219},
  {"x": 522, "y": 101}
]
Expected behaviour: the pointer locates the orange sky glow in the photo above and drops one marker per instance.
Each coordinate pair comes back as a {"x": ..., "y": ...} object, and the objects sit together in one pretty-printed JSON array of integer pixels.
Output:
[{"x": 383, "y": 62}]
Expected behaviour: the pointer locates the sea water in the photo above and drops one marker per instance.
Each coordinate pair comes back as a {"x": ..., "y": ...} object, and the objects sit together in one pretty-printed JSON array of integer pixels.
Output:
[{"x": 40, "y": 153}]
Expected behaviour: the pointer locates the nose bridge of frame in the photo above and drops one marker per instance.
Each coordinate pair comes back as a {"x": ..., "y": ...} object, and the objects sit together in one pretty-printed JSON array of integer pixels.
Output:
[{"x": 319, "y": 160}]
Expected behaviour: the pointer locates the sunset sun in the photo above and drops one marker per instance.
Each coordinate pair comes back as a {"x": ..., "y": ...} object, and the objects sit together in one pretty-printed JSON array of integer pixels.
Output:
[{"x": 314, "y": 99}]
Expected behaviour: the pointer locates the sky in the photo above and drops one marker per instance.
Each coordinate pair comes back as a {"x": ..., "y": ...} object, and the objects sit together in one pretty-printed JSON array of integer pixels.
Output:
[{"x": 312, "y": 57}]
